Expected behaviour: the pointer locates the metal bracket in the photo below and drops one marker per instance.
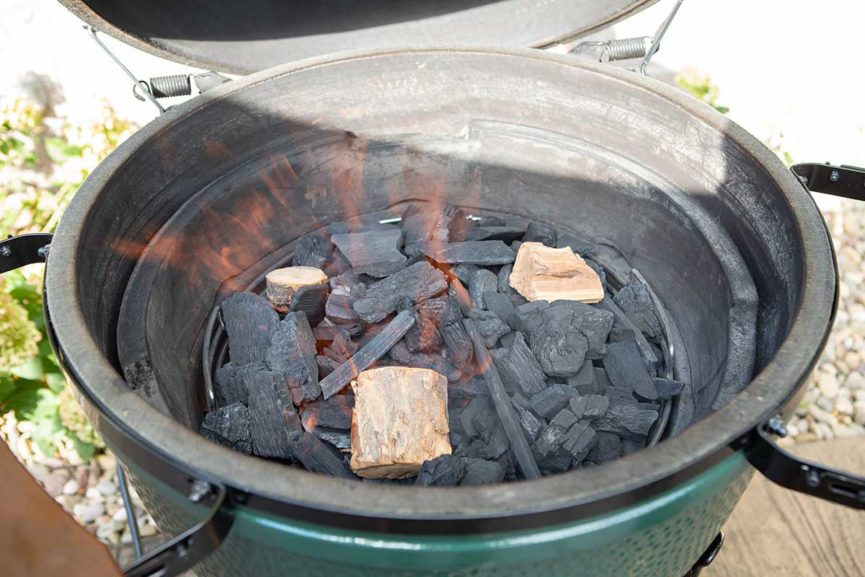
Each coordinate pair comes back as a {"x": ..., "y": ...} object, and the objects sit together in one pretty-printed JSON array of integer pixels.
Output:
[
  {"x": 708, "y": 556},
  {"x": 181, "y": 553},
  {"x": 644, "y": 47},
  {"x": 18, "y": 251},
  {"x": 844, "y": 180},
  {"x": 801, "y": 475},
  {"x": 162, "y": 86}
]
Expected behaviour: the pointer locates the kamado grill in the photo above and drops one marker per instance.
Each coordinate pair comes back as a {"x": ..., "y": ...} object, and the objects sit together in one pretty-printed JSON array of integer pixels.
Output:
[{"x": 207, "y": 198}]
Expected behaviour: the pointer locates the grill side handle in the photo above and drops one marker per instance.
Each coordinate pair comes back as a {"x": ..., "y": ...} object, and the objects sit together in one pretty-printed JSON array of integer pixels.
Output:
[{"x": 761, "y": 450}]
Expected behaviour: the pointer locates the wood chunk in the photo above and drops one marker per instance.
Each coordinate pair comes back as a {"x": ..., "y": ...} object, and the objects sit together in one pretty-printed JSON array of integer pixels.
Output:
[
  {"x": 636, "y": 302},
  {"x": 551, "y": 400},
  {"x": 482, "y": 281},
  {"x": 627, "y": 372},
  {"x": 481, "y": 472},
  {"x": 504, "y": 233},
  {"x": 519, "y": 369},
  {"x": 229, "y": 426},
  {"x": 542, "y": 233},
  {"x": 445, "y": 470},
  {"x": 317, "y": 457},
  {"x": 250, "y": 322},
  {"x": 627, "y": 420},
  {"x": 311, "y": 301},
  {"x": 313, "y": 249},
  {"x": 503, "y": 406},
  {"x": 283, "y": 283},
  {"x": 415, "y": 283},
  {"x": 399, "y": 421},
  {"x": 464, "y": 272},
  {"x": 292, "y": 354},
  {"x": 489, "y": 325},
  {"x": 340, "y": 308},
  {"x": 668, "y": 388},
  {"x": 552, "y": 274},
  {"x": 268, "y": 399},
  {"x": 480, "y": 252},
  {"x": 334, "y": 413},
  {"x": 501, "y": 305},
  {"x": 368, "y": 354},
  {"x": 375, "y": 253}
]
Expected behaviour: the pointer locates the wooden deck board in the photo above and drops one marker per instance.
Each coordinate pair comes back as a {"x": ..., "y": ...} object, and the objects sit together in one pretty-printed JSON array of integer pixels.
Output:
[{"x": 776, "y": 532}]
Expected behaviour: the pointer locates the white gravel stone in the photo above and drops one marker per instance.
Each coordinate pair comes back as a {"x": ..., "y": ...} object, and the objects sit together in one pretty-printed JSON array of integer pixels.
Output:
[
  {"x": 859, "y": 412},
  {"x": 822, "y": 416},
  {"x": 825, "y": 403},
  {"x": 88, "y": 512},
  {"x": 828, "y": 384},
  {"x": 120, "y": 515},
  {"x": 106, "y": 487},
  {"x": 70, "y": 487},
  {"x": 94, "y": 495},
  {"x": 855, "y": 381},
  {"x": 843, "y": 406}
]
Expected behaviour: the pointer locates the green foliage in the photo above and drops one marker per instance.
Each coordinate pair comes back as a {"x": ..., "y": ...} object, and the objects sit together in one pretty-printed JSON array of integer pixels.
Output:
[
  {"x": 702, "y": 88},
  {"x": 43, "y": 161}
]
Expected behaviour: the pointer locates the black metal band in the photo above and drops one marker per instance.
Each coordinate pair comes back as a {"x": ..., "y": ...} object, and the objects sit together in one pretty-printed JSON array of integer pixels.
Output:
[
  {"x": 844, "y": 180},
  {"x": 18, "y": 251}
]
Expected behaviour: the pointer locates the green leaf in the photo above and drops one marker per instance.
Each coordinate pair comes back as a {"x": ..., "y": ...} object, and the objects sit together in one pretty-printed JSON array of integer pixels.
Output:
[
  {"x": 60, "y": 150},
  {"x": 56, "y": 381},
  {"x": 31, "y": 369},
  {"x": 19, "y": 395},
  {"x": 84, "y": 449}
]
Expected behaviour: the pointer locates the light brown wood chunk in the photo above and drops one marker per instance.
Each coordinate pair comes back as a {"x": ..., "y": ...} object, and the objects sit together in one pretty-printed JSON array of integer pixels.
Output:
[
  {"x": 400, "y": 420},
  {"x": 542, "y": 273},
  {"x": 282, "y": 283}
]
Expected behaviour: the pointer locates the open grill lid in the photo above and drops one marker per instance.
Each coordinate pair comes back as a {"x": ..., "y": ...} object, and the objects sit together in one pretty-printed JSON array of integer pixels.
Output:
[{"x": 243, "y": 37}]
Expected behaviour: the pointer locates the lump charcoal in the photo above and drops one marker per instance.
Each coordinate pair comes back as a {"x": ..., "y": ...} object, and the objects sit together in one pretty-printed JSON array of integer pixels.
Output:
[
  {"x": 668, "y": 388},
  {"x": 507, "y": 341},
  {"x": 549, "y": 440},
  {"x": 602, "y": 381},
  {"x": 627, "y": 420},
  {"x": 460, "y": 394},
  {"x": 416, "y": 283},
  {"x": 509, "y": 465},
  {"x": 424, "y": 335},
  {"x": 564, "y": 334},
  {"x": 347, "y": 284},
  {"x": 400, "y": 353},
  {"x": 426, "y": 222},
  {"x": 551, "y": 400},
  {"x": 584, "y": 380},
  {"x": 581, "y": 247},
  {"x": 311, "y": 300},
  {"x": 338, "y": 265},
  {"x": 456, "y": 340},
  {"x": 367, "y": 355},
  {"x": 515, "y": 246},
  {"x": 493, "y": 446},
  {"x": 482, "y": 281},
  {"x": 627, "y": 372},
  {"x": 334, "y": 413},
  {"x": 559, "y": 350},
  {"x": 479, "y": 252},
  {"x": 445, "y": 470},
  {"x": 461, "y": 225},
  {"x": 502, "y": 279},
  {"x": 327, "y": 330},
  {"x": 632, "y": 445},
  {"x": 464, "y": 272},
  {"x": 528, "y": 316},
  {"x": 519, "y": 369},
  {"x": 317, "y": 457},
  {"x": 341, "y": 347},
  {"x": 229, "y": 382},
  {"x": 229, "y": 426},
  {"x": 558, "y": 461},
  {"x": 326, "y": 365},
  {"x": 269, "y": 399},
  {"x": 339, "y": 308},
  {"x": 505, "y": 233},
  {"x": 589, "y": 406},
  {"x": 313, "y": 249},
  {"x": 461, "y": 295},
  {"x": 375, "y": 253},
  {"x": 607, "y": 448},
  {"x": 501, "y": 305},
  {"x": 530, "y": 423},
  {"x": 579, "y": 440},
  {"x": 340, "y": 440},
  {"x": 504, "y": 409},
  {"x": 250, "y": 322},
  {"x": 292, "y": 354},
  {"x": 624, "y": 329},
  {"x": 564, "y": 419},
  {"x": 636, "y": 302},
  {"x": 490, "y": 326},
  {"x": 542, "y": 233},
  {"x": 479, "y": 417},
  {"x": 481, "y": 472},
  {"x": 489, "y": 220}
]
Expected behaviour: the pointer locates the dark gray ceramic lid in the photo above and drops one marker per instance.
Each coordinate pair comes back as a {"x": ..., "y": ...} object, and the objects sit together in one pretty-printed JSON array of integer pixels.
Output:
[{"x": 243, "y": 36}]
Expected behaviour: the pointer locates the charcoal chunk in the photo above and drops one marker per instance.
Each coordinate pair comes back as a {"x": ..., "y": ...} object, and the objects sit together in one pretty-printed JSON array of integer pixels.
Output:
[
  {"x": 563, "y": 334},
  {"x": 579, "y": 440},
  {"x": 627, "y": 372},
  {"x": 624, "y": 330},
  {"x": 668, "y": 388},
  {"x": 229, "y": 387},
  {"x": 505, "y": 233},
  {"x": 542, "y": 233},
  {"x": 326, "y": 365},
  {"x": 269, "y": 400},
  {"x": 480, "y": 252},
  {"x": 636, "y": 302},
  {"x": 627, "y": 420},
  {"x": 581, "y": 247},
  {"x": 528, "y": 316},
  {"x": 501, "y": 305},
  {"x": 311, "y": 300},
  {"x": 317, "y": 457},
  {"x": 424, "y": 336},
  {"x": 459, "y": 293},
  {"x": 608, "y": 447},
  {"x": 415, "y": 283},
  {"x": 584, "y": 380},
  {"x": 333, "y": 413},
  {"x": 250, "y": 322},
  {"x": 444, "y": 470},
  {"x": 313, "y": 249},
  {"x": 341, "y": 347},
  {"x": 426, "y": 222},
  {"x": 599, "y": 270},
  {"x": 549, "y": 440},
  {"x": 347, "y": 284},
  {"x": 292, "y": 354},
  {"x": 551, "y": 400},
  {"x": 564, "y": 419},
  {"x": 340, "y": 440},
  {"x": 589, "y": 406},
  {"x": 462, "y": 393},
  {"x": 503, "y": 284},
  {"x": 530, "y": 423},
  {"x": 339, "y": 308},
  {"x": 489, "y": 325},
  {"x": 229, "y": 426},
  {"x": 464, "y": 272},
  {"x": 482, "y": 281},
  {"x": 519, "y": 369},
  {"x": 454, "y": 336},
  {"x": 481, "y": 472},
  {"x": 375, "y": 253},
  {"x": 403, "y": 356}
]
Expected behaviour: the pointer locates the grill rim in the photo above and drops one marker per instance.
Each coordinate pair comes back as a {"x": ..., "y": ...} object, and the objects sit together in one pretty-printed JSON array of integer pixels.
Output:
[{"x": 131, "y": 423}]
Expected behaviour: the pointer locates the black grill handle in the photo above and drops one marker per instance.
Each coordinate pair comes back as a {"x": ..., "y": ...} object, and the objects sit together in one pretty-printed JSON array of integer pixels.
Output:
[
  {"x": 18, "y": 251},
  {"x": 844, "y": 180}
]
